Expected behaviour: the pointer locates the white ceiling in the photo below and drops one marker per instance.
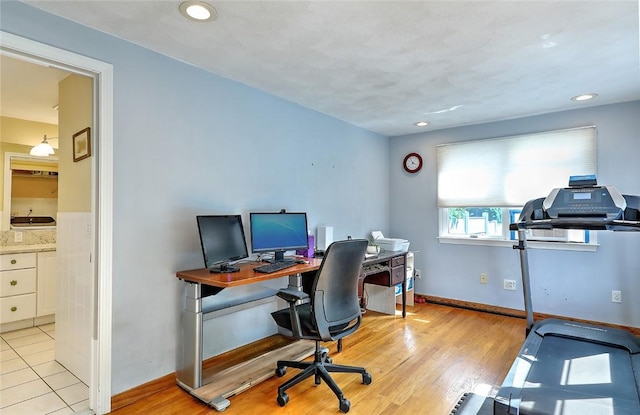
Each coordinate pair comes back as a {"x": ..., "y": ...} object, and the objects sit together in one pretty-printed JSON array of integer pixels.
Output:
[{"x": 383, "y": 65}]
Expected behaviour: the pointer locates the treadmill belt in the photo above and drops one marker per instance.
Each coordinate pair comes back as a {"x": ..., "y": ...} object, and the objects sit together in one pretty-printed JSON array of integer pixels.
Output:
[{"x": 574, "y": 377}]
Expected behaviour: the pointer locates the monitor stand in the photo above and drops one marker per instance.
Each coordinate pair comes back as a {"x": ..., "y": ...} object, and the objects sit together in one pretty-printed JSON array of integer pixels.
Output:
[
  {"x": 278, "y": 256},
  {"x": 223, "y": 268}
]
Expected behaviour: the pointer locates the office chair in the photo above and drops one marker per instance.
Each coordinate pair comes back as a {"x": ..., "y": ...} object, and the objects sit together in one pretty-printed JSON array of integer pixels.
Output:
[{"x": 330, "y": 311}]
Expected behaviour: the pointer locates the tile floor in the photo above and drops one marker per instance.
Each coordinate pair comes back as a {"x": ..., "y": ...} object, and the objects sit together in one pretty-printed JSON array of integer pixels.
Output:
[{"x": 31, "y": 381}]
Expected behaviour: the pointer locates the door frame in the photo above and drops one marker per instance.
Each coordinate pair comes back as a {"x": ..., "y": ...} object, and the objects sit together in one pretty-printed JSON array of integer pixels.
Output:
[{"x": 102, "y": 196}]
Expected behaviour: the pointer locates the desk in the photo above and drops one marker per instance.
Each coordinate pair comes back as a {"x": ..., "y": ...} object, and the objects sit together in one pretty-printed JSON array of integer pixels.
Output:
[
  {"x": 214, "y": 389},
  {"x": 387, "y": 269}
]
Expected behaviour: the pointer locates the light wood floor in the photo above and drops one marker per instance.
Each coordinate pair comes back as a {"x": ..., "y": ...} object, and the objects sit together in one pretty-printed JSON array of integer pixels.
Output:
[{"x": 419, "y": 365}]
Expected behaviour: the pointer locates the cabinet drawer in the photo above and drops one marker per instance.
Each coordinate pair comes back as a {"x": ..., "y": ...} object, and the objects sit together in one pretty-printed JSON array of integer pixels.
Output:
[
  {"x": 397, "y": 275},
  {"x": 18, "y": 307},
  {"x": 19, "y": 281},
  {"x": 17, "y": 261},
  {"x": 397, "y": 261}
]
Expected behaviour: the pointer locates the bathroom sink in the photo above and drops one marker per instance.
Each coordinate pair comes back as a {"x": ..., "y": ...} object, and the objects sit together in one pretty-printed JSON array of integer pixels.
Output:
[{"x": 33, "y": 221}]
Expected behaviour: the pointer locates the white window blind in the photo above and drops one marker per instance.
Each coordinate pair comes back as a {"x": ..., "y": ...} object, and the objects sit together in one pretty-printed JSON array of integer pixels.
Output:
[{"x": 509, "y": 171}]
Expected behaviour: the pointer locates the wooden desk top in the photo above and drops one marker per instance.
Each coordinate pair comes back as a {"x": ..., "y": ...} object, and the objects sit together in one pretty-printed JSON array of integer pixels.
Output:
[{"x": 246, "y": 275}]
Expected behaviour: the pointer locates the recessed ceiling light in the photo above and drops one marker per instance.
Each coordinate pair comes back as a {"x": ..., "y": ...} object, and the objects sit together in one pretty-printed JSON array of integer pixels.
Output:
[
  {"x": 198, "y": 11},
  {"x": 584, "y": 97},
  {"x": 421, "y": 123}
]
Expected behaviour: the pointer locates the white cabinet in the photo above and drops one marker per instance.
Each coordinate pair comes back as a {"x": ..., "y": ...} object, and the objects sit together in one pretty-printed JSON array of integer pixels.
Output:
[
  {"x": 27, "y": 289},
  {"x": 17, "y": 287},
  {"x": 46, "y": 289}
]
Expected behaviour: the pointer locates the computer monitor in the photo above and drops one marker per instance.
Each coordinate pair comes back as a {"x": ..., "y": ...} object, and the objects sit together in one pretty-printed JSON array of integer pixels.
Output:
[
  {"x": 278, "y": 232},
  {"x": 222, "y": 240}
]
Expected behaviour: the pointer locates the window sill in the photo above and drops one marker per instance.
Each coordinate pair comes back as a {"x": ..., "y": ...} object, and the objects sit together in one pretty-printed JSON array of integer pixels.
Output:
[{"x": 565, "y": 246}]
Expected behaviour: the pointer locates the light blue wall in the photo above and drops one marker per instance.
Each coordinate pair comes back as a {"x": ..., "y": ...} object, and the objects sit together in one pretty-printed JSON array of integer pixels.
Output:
[
  {"x": 227, "y": 148},
  {"x": 574, "y": 284},
  {"x": 188, "y": 142}
]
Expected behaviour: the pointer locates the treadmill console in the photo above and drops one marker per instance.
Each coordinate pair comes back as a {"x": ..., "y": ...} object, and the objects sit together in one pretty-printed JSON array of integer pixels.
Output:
[{"x": 585, "y": 202}]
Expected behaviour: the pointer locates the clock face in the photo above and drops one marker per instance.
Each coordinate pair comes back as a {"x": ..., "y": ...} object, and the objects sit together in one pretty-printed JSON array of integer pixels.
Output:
[{"x": 412, "y": 162}]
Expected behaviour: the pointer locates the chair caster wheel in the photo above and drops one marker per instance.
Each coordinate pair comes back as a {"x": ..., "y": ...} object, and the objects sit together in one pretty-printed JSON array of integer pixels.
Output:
[
  {"x": 280, "y": 371},
  {"x": 366, "y": 378},
  {"x": 345, "y": 405},
  {"x": 282, "y": 399}
]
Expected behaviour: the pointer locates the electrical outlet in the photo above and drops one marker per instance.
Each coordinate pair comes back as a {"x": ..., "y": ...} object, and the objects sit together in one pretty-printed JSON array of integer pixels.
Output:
[
  {"x": 510, "y": 285},
  {"x": 616, "y": 296},
  {"x": 417, "y": 273},
  {"x": 483, "y": 278},
  {"x": 17, "y": 237}
]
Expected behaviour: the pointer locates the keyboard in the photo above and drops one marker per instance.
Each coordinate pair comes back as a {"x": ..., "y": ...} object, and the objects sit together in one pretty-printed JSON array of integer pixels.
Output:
[{"x": 274, "y": 266}]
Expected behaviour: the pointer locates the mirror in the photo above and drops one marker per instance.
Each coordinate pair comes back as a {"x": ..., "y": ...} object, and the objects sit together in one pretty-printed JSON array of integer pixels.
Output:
[{"x": 30, "y": 196}]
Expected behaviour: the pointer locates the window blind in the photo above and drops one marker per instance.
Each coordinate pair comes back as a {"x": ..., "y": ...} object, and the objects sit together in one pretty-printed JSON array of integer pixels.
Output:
[{"x": 509, "y": 171}]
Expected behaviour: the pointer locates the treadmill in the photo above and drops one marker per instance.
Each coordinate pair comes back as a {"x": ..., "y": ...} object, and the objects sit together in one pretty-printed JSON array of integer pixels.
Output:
[{"x": 566, "y": 367}]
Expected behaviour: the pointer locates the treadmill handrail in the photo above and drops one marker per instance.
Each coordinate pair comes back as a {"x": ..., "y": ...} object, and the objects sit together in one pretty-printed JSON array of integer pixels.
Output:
[{"x": 579, "y": 223}]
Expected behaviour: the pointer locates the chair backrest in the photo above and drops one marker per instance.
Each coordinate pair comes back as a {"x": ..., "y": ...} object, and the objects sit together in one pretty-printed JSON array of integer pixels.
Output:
[{"x": 334, "y": 294}]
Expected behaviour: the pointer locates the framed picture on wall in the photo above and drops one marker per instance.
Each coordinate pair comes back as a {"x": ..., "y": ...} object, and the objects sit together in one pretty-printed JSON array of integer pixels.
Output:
[{"x": 82, "y": 144}]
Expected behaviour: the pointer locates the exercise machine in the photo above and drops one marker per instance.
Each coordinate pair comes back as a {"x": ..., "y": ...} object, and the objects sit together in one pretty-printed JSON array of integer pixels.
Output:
[{"x": 566, "y": 367}]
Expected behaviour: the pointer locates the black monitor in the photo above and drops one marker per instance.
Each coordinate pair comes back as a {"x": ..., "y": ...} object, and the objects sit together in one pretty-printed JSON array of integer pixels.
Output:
[
  {"x": 278, "y": 232},
  {"x": 222, "y": 240}
]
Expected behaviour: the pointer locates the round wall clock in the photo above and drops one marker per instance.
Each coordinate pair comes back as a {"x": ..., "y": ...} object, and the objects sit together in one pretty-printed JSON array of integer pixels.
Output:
[{"x": 412, "y": 163}]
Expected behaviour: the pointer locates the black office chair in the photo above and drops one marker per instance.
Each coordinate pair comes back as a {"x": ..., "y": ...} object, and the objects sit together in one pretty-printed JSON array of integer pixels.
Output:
[{"x": 331, "y": 311}]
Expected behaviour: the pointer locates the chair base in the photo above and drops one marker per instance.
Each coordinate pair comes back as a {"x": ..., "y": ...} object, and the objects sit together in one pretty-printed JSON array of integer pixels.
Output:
[{"x": 320, "y": 368}]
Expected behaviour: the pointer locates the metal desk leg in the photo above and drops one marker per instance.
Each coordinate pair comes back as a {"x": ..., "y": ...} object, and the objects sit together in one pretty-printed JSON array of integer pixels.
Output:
[
  {"x": 295, "y": 282},
  {"x": 189, "y": 372}
]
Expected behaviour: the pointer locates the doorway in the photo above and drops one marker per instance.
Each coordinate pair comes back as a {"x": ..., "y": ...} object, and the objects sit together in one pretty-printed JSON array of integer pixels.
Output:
[{"x": 99, "y": 226}]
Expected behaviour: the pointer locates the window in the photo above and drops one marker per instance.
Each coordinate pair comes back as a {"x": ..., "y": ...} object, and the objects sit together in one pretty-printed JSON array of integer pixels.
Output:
[
  {"x": 475, "y": 221},
  {"x": 483, "y": 184}
]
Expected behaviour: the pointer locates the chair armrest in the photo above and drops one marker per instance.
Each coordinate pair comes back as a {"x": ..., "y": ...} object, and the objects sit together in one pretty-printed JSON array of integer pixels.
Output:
[
  {"x": 291, "y": 295},
  {"x": 294, "y": 297}
]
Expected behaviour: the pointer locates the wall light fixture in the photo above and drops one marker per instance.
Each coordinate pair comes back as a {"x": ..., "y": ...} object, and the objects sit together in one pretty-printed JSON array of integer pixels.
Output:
[{"x": 43, "y": 149}]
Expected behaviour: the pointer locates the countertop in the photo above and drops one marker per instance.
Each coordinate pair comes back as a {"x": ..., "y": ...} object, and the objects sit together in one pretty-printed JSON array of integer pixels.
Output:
[{"x": 18, "y": 249}]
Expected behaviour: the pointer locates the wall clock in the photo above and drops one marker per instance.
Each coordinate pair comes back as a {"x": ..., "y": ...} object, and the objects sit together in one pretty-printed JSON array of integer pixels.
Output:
[{"x": 412, "y": 163}]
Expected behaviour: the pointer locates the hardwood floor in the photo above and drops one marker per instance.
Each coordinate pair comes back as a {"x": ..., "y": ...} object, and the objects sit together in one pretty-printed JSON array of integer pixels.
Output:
[{"x": 421, "y": 364}]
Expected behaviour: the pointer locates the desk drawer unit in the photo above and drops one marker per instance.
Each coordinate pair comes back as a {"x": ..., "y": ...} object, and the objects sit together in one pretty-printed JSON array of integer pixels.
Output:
[
  {"x": 397, "y": 261},
  {"x": 387, "y": 273},
  {"x": 397, "y": 275},
  {"x": 17, "y": 307}
]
